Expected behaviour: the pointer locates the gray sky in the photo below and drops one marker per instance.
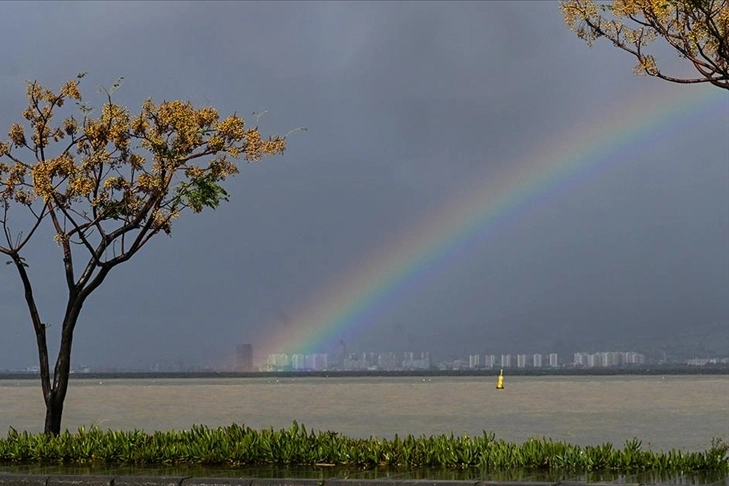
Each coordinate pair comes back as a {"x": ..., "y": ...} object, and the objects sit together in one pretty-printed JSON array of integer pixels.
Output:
[{"x": 407, "y": 105}]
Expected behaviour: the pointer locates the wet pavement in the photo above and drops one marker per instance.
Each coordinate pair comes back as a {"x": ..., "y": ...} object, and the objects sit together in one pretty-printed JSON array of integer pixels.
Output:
[{"x": 322, "y": 475}]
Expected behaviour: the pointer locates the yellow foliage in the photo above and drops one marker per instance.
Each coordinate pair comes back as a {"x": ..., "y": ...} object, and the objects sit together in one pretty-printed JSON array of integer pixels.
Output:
[
  {"x": 124, "y": 167},
  {"x": 70, "y": 90},
  {"x": 80, "y": 186},
  {"x": 17, "y": 135},
  {"x": 698, "y": 30}
]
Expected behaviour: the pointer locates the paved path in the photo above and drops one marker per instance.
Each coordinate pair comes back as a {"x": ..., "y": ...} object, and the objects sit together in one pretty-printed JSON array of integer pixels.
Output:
[{"x": 92, "y": 480}]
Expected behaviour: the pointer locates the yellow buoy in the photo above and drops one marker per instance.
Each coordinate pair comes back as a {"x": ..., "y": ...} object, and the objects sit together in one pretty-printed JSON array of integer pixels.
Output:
[{"x": 500, "y": 381}]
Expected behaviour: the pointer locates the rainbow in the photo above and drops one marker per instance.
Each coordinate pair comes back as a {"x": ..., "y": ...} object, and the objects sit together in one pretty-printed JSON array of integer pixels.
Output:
[{"x": 375, "y": 281}]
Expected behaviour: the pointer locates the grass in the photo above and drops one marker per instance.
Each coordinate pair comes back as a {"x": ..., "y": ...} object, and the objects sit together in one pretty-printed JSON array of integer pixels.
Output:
[{"x": 237, "y": 445}]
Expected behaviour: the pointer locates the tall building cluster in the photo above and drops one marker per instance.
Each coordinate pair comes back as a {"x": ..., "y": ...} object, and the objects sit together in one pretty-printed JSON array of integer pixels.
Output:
[
  {"x": 348, "y": 362},
  {"x": 586, "y": 360},
  {"x": 608, "y": 358},
  {"x": 488, "y": 361},
  {"x": 410, "y": 361},
  {"x": 296, "y": 362},
  {"x": 386, "y": 361}
]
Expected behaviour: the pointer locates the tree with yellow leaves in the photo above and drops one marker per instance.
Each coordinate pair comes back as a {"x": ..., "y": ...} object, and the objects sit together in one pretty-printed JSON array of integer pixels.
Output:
[
  {"x": 106, "y": 185},
  {"x": 698, "y": 30}
]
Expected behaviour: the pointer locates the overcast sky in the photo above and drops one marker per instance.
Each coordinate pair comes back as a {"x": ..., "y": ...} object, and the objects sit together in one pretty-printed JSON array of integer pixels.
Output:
[{"x": 406, "y": 104}]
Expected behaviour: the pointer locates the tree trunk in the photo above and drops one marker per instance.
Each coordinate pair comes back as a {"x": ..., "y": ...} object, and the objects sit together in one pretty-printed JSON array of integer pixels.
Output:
[
  {"x": 54, "y": 412},
  {"x": 61, "y": 373},
  {"x": 54, "y": 391},
  {"x": 54, "y": 407}
]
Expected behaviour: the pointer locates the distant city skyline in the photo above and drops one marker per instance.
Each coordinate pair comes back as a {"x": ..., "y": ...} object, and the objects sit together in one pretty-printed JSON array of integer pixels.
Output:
[
  {"x": 412, "y": 361},
  {"x": 245, "y": 362}
]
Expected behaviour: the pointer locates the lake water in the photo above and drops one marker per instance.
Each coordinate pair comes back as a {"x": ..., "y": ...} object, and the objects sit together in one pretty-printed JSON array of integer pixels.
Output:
[{"x": 683, "y": 412}]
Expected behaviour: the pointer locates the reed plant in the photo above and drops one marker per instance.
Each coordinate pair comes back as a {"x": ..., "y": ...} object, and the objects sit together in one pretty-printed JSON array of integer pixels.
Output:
[{"x": 237, "y": 445}]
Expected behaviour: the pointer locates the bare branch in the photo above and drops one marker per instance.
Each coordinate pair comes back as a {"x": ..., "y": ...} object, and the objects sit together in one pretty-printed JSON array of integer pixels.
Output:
[
  {"x": 38, "y": 220},
  {"x": 67, "y": 255},
  {"x": 38, "y": 326}
]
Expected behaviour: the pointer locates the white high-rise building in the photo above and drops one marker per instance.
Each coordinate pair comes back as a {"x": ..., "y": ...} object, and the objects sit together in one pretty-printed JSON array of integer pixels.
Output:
[
  {"x": 298, "y": 362},
  {"x": 580, "y": 359},
  {"x": 632, "y": 357},
  {"x": 388, "y": 361},
  {"x": 317, "y": 361},
  {"x": 277, "y": 361}
]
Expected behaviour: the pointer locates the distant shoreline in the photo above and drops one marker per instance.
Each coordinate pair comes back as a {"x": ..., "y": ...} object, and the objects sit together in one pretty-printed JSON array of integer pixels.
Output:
[{"x": 618, "y": 371}]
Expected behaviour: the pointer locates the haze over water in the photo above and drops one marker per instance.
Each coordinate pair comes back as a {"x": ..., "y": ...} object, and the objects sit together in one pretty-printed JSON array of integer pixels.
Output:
[{"x": 682, "y": 412}]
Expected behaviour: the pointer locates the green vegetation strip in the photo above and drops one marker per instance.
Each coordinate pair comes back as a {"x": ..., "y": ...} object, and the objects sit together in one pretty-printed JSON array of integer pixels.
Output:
[{"x": 238, "y": 445}]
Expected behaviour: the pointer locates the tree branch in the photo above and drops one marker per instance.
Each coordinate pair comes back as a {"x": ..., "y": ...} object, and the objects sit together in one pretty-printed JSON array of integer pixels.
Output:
[
  {"x": 76, "y": 229},
  {"x": 67, "y": 255},
  {"x": 38, "y": 326},
  {"x": 638, "y": 55}
]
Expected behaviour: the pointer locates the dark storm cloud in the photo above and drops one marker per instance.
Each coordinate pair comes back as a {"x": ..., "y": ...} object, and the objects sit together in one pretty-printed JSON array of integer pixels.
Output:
[{"x": 404, "y": 104}]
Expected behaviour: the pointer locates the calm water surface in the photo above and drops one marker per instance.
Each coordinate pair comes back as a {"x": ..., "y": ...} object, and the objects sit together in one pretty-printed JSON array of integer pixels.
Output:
[{"x": 683, "y": 412}]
